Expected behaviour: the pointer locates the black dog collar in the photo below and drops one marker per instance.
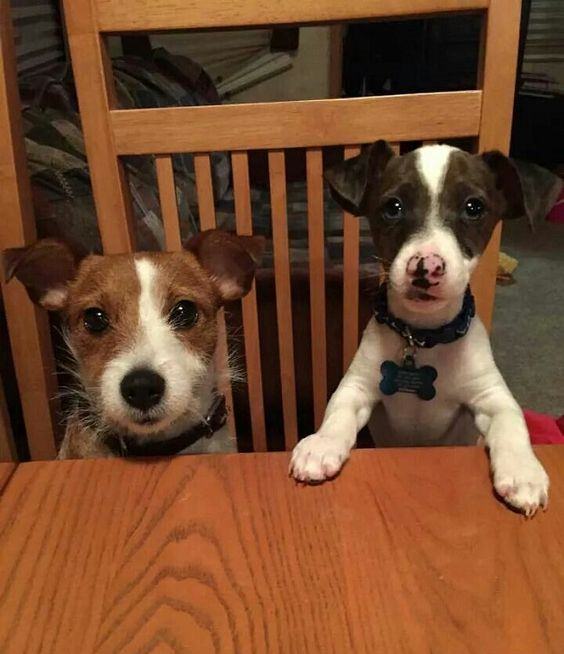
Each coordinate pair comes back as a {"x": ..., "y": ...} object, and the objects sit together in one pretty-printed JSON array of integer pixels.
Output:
[
  {"x": 214, "y": 421},
  {"x": 426, "y": 338}
]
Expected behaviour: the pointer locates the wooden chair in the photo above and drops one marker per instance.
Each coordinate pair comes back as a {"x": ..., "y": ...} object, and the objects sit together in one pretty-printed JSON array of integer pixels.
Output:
[{"x": 110, "y": 133}]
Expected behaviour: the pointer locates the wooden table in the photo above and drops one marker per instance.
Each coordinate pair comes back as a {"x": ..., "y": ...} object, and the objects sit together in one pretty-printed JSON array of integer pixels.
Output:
[{"x": 408, "y": 551}]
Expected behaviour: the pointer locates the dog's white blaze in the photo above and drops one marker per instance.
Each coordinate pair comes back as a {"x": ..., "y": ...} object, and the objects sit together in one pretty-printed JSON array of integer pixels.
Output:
[
  {"x": 157, "y": 345},
  {"x": 432, "y": 164},
  {"x": 154, "y": 332}
]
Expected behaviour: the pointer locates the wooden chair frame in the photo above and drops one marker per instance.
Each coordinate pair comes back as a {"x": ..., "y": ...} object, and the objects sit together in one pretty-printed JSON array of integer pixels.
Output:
[
  {"x": 110, "y": 133},
  {"x": 28, "y": 326}
]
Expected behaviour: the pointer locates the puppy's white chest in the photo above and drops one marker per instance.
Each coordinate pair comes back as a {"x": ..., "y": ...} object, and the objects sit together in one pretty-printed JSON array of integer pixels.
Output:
[{"x": 403, "y": 418}]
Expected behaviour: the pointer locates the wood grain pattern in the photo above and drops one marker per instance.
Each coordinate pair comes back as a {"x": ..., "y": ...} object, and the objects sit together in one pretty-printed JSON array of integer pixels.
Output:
[
  {"x": 280, "y": 244},
  {"x": 28, "y": 326},
  {"x": 316, "y": 245},
  {"x": 303, "y": 123},
  {"x": 169, "y": 205},
  {"x": 499, "y": 60},
  {"x": 244, "y": 222},
  {"x": 206, "y": 212},
  {"x": 351, "y": 261},
  {"x": 96, "y": 95},
  {"x": 204, "y": 190},
  {"x": 145, "y": 15},
  {"x": 406, "y": 552}
]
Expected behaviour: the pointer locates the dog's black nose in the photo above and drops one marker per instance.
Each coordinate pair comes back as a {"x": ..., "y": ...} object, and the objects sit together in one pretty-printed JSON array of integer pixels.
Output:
[{"x": 142, "y": 388}]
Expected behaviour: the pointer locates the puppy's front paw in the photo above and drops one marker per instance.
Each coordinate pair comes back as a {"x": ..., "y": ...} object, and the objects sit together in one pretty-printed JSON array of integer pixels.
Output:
[
  {"x": 521, "y": 481},
  {"x": 317, "y": 458}
]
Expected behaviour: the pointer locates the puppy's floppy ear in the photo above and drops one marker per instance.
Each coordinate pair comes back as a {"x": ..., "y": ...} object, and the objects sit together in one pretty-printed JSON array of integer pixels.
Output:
[
  {"x": 507, "y": 183},
  {"x": 44, "y": 268},
  {"x": 350, "y": 180},
  {"x": 230, "y": 260}
]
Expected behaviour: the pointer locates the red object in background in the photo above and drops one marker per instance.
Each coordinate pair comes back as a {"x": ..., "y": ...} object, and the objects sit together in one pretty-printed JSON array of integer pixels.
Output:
[
  {"x": 543, "y": 429},
  {"x": 556, "y": 214}
]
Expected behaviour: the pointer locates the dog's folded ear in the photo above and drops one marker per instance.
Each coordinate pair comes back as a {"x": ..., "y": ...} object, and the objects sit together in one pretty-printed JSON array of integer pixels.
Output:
[
  {"x": 44, "y": 268},
  {"x": 229, "y": 259},
  {"x": 507, "y": 183},
  {"x": 350, "y": 180}
]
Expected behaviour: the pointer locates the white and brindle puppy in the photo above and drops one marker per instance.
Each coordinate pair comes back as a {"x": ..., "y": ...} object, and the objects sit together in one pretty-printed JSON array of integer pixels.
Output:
[
  {"x": 431, "y": 214},
  {"x": 142, "y": 330}
]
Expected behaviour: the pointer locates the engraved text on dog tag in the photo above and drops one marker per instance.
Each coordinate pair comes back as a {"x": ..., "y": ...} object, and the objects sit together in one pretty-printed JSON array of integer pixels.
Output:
[{"x": 408, "y": 378}]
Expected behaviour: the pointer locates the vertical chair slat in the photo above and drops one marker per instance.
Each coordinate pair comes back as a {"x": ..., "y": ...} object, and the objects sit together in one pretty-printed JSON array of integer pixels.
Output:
[
  {"x": 243, "y": 218},
  {"x": 204, "y": 190},
  {"x": 316, "y": 238},
  {"x": 206, "y": 211},
  {"x": 94, "y": 82},
  {"x": 169, "y": 206},
  {"x": 351, "y": 252},
  {"x": 7, "y": 445},
  {"x": 28, "y": 326},
  {"x": 277, "y": 172},
  {"x": 498, "y": 61}
]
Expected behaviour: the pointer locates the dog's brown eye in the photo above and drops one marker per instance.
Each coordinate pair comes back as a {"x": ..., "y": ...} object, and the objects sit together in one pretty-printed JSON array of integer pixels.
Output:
[
  {"x": 474, "y": 208},
  {"x": 392, "y": 209},
  {"x": 95, "y": 320},
  {"x": 183, "y": 315}
]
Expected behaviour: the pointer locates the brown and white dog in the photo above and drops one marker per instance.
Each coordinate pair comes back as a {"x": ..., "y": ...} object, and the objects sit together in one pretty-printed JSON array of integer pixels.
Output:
[
  {"x": 142, "y": 330},
  {"x": 431, "y": 213}
]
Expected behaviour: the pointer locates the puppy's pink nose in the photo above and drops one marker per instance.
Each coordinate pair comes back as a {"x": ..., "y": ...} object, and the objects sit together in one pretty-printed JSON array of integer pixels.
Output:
[
  {"x": 426, "y": 270},
  {"x": 426, "y": 267},
  {"x": 437, "y": 266}
]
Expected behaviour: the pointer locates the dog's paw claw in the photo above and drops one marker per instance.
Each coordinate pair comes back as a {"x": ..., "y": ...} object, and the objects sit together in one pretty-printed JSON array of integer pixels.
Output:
[
  {"x": 317, "y": 458},
  {"x": 523, "y": 484}
]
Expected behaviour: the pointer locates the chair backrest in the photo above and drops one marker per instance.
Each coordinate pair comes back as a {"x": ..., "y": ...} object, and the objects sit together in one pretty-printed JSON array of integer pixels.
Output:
[{"x": 111, "y": 133}]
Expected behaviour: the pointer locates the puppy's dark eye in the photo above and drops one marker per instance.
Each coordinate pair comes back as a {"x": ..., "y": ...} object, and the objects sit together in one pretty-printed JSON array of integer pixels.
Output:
[
  {"x": 474, "y": 208},
  {"x": 95, "y": 320},
  {"x": 183, "y": 315},
  {"x": 392, "y": 209}
]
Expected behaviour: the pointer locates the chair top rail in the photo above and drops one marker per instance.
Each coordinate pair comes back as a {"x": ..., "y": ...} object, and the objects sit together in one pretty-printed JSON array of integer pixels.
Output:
[{"x": 146, "y": 15}]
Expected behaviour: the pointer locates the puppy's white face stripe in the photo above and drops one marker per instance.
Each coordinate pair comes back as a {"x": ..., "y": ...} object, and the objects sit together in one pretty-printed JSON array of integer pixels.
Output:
[
  {"x": 154, "y": 345},
  {"x": 432, "y": 164}
]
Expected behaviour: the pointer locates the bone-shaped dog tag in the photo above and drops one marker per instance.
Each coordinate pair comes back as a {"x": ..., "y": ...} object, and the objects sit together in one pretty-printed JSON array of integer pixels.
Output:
[{"x": 408, "y": 378}]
